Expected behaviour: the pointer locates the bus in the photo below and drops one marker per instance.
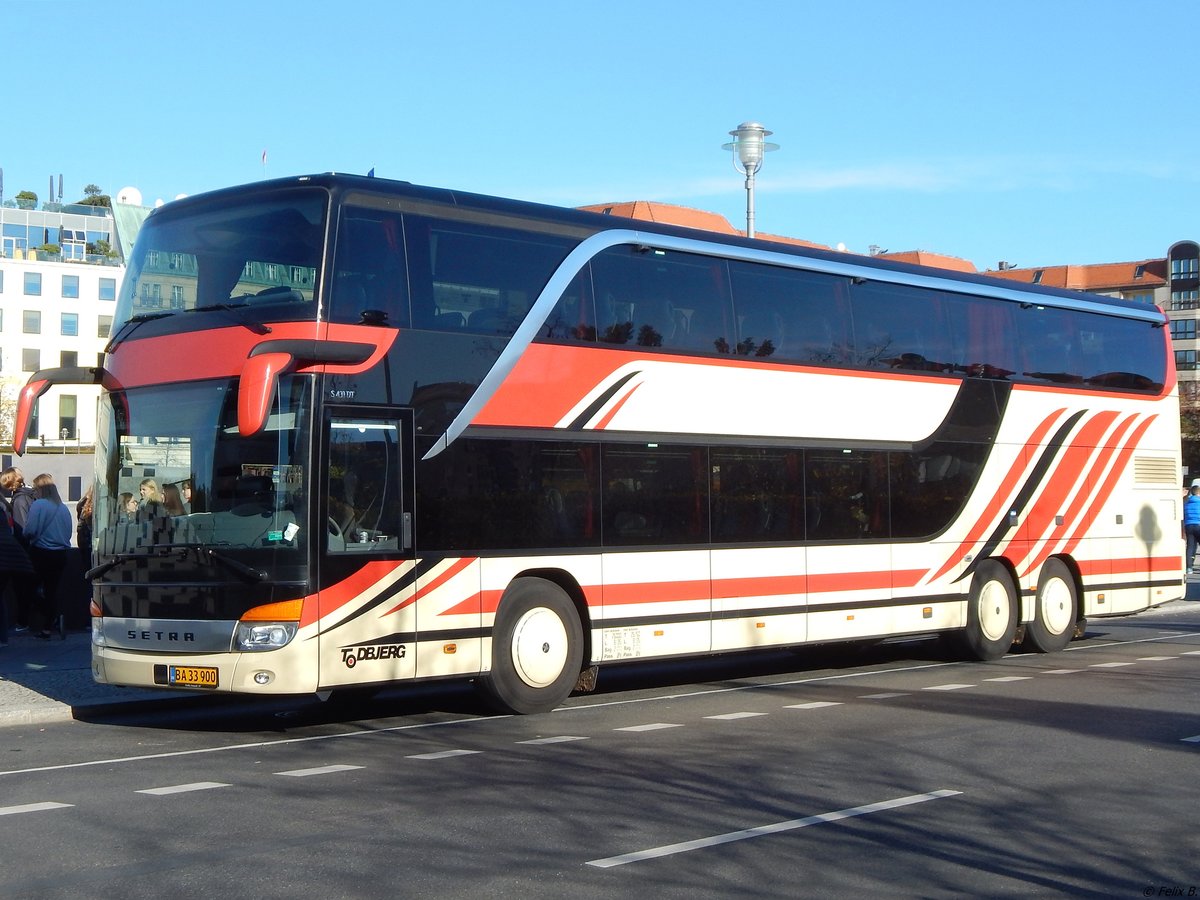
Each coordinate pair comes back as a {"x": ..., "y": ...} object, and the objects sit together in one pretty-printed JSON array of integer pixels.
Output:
[{"x": 355, "y": 432}]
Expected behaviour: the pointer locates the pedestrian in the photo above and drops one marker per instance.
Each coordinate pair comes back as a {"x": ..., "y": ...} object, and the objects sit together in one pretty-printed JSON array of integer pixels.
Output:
[
  {"x": 83, "y": 540},
  {"x": 17, "y": 499},
  {"x": 18, "y": 496},
  {"x": 48, "y": 530},
  {"x": 1191, "y": 522},
  {"x": 16, "y": 573}
]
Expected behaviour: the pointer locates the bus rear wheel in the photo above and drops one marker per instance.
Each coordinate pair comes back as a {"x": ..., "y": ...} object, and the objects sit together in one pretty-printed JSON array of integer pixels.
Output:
[
  {"x": 991, "y": 613},
  {"x": 1056, "y": 608},
  {"x": 537, "y": 648}
]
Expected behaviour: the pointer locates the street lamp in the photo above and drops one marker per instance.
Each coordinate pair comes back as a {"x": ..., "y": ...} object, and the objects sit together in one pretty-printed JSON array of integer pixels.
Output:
[{"x": 748, "y": 149}]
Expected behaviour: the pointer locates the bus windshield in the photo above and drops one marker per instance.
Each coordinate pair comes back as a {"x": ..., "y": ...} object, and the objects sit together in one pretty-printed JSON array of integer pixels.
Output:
[
  {"x": 170, "y": 483},
  {"x": 249, "y": 253}
]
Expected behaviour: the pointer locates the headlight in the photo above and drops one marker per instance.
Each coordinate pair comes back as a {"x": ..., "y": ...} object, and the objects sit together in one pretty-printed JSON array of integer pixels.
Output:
[{"x": 264, "y": 635}]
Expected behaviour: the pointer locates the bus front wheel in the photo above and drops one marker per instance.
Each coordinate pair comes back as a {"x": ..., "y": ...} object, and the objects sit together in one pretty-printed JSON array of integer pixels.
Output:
[
  {"x": 991, "y": 613},
  {"x": 1056, "y": 608},
  {"x": 537, "y": 648}
]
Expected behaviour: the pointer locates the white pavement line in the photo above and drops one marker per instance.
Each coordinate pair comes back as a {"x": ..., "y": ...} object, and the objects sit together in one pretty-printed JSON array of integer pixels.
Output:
[
  {"x": 1011, "y": 678},
  {"x": 729, "y": 717},
  {"x": 760, "y": 831},
  {"x": 32, "y": 807},
  {"x": 887, "y": 696},
  {"x": 1109, "y": 665},
  {"x": 1191, "y": 653},
  {"x": 947, "y": 687},
  {"x": 1155, "y": 658},
  {"x": 1061, "y": 671},
  {"x": 318, "y": 770},
  {"x": 254, "y": 745},
  {"x": 557, "y": 739},
  {"x": 653, "y": 726},
  {"x": 1195, "y": 739},
  {"x": 815, "y": 704},
  {"x": 183, "y": 788},
  {"x": 444, "y": 754}
]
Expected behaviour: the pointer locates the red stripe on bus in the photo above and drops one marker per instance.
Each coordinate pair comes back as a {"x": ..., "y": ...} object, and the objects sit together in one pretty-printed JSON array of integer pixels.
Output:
[
  {"x": 550, "y": 380},
  {"x": 1070, "y": 469},
  {"x": 1000, "y": 500},
  {"x": 704, "y": 590},
  {"x": 1134, "y": 565},
  {"x": 1072, "y": 516},
  {"x": 436, "y": 583},
  {"x": 1110, "y": 482},
  {"x": 338, "y": 595}
]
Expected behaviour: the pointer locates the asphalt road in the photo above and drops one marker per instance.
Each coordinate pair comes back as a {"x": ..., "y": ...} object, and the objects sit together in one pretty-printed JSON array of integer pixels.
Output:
[{"x": 896, "y": 773}]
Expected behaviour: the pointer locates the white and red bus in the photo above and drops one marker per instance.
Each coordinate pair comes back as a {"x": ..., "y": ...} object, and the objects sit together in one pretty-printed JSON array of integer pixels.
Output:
[{"x": 357, "y": 432}]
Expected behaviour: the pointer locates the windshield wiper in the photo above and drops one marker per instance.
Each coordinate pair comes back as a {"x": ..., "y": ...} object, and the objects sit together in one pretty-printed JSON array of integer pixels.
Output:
[
  {"x": 133, "y": 321},
  {"x": 235, "y": 309},
  {"x": 203, "y": 551}
]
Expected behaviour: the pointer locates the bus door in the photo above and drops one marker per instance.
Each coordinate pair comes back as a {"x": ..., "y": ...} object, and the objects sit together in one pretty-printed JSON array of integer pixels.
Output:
[{"x": 368, "y": 630}]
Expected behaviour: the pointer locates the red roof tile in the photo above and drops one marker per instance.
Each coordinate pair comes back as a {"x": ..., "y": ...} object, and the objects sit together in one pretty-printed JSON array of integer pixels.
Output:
[{"x": 1098, "y": 277}]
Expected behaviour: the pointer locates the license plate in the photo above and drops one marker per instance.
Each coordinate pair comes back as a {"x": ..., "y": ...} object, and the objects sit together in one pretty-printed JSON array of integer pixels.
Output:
[{"x": 192, "y": 676}]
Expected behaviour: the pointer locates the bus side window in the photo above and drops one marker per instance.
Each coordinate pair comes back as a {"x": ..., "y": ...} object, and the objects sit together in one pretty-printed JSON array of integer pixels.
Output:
[
  {"x": 369, "y": 284},
  {"x": 573, "y": 319}
]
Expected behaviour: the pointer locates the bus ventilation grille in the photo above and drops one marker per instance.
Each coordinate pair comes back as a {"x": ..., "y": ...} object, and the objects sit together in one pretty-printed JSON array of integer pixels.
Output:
[{"x": 1156, "y": 470}]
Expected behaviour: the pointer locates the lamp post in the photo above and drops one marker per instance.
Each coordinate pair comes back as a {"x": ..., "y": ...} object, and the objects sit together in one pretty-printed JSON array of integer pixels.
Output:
[{"x": 749, "y": 147}]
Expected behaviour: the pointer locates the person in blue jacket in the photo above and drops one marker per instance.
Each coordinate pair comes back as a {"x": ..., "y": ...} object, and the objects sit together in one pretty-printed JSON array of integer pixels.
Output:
[
  {"x": 48, "y": 530},
  {"x": 1191, "y": 522}
]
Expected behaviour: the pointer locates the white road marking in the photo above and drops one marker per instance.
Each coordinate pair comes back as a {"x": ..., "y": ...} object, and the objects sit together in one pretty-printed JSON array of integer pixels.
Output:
[
  {"x": 1109, "y": 665},
  {"x": 183, "y": 788},
  {"x": 1011, "y": 678},
  {"x": 1194, "y": 739},
  {"x": 32, "y": 807},
  {"x": 881, "y": 696},
  {"x": 815, "y": 704},
  {"x": 1191, "y": 653},
  {"x": 653, "y": 726},
  {"x": 760, "y": 831},
  {"x": 318, "y": 770},
  {"x": 558, "y": 739},
  {"x": 1155, "y": 658},
  {"x": 443, "y": 754},
  {"x": 729, "y": 717},
  {"x": 947, "y": 687},
  {"x": 1061, "y": 671}
]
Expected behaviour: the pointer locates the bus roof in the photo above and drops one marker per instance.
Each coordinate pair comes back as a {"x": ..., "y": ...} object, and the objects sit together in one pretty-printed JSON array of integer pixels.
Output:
[{"x": 832, "y": 261}]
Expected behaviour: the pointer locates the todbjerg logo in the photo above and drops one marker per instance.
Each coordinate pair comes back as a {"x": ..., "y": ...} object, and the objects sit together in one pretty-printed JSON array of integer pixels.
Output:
[{"x": 351, "y": 656}]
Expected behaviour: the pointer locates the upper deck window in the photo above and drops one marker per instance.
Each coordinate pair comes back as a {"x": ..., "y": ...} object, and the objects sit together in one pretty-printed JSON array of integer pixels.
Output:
[
  {"x": 250, "y": 252},
  {"x": 477, "y": 277}
]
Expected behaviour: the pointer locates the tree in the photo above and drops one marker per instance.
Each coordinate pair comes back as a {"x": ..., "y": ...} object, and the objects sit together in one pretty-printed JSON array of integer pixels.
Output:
[
  {"x": 27, "y": 200},
  {"x": 94, "y": 196}
]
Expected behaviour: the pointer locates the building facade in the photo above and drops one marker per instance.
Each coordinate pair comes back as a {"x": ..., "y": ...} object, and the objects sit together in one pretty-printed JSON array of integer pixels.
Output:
[{"x": 59, "y": 282}]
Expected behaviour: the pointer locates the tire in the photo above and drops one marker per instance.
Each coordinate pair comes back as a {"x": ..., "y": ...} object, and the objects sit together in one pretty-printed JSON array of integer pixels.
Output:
[
  {"x": 991, "y": 613},
  {"x": 1055, "y": 610},
  {"x": 537, "y": 649}
]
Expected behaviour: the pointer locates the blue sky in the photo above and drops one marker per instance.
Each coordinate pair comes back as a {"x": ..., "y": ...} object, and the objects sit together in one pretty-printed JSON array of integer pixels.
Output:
[{"x": 1059, "y": 131}]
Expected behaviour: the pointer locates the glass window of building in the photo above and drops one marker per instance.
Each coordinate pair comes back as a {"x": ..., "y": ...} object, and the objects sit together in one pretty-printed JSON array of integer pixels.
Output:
[
  {"x": 31, "y": 360},
  {"x": 108, "y": 289},
  {"x": 70, "y": 287},
  {"x": 68, "y": 359},
  {"x": 104, "y": 326},
  {"x": 69, "y": 325},
  {"x": 68, "y": 406},
  {"x": 33, "y": 284},
  {"x": 31, "y": 322}
]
